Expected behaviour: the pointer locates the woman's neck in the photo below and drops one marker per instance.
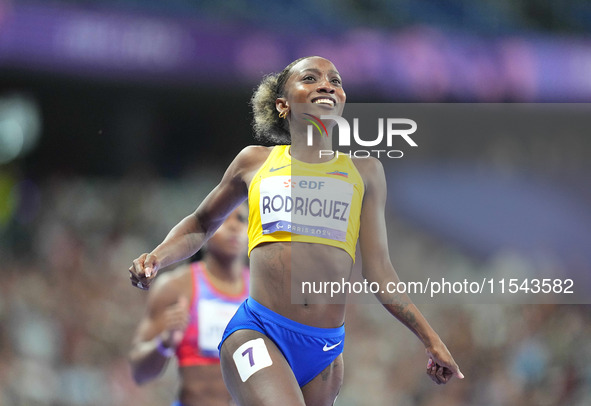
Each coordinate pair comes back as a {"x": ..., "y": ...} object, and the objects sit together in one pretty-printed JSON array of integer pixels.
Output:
[
  {"x": 301, "y": 151},
  {"x": 224, "y": 270}
]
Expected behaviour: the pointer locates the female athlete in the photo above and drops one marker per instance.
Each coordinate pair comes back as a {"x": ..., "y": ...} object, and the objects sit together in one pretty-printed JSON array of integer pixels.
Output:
[
  {"x": 275, "y": 352},
  {"x": 188, "y": 310}
]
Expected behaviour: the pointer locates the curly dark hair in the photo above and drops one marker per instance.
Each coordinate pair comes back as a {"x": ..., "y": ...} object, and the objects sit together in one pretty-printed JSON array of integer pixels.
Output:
[{"x": 268, "y": 127}]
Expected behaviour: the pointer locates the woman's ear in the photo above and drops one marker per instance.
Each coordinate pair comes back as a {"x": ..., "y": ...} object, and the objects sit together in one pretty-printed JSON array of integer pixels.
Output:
[{"x": 282, "y": 105}]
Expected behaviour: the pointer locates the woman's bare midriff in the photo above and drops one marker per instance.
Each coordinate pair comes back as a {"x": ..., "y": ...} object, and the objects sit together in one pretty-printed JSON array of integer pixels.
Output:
[
  {"x": 203, "y": 384},
  {"x": 285, "y": 275}
]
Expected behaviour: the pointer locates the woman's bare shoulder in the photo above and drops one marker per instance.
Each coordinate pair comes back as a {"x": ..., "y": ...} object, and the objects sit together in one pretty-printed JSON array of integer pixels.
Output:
[
  {"x": 369, "y": 168},
  {"x": 169, "y": 285},
  {"x": 252, "y": 157},
  {"x": 255, "y": 153}
]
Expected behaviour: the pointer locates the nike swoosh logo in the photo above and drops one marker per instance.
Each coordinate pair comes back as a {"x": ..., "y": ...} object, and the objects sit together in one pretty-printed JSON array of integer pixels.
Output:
[
  {"x": 327, "y": 348},
  {"x": 276, "y": 169}
]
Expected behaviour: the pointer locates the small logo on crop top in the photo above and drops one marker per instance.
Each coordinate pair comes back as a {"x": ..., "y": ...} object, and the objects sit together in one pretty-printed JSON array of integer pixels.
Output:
[
  {"x": 305, "y": 184},
  {"x": 289, "y": 183},
  {"x": 316, "y": 122},
  {"x": 271, "y": 169},
  {"x": 338, "y": 173}
]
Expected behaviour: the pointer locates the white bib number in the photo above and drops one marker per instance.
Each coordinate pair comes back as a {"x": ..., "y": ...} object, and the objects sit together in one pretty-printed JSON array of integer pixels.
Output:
[
  {"x": 251, "y": 357},
  {"x": 306, "y": 205},
  {"x": 213, "y": 317}
]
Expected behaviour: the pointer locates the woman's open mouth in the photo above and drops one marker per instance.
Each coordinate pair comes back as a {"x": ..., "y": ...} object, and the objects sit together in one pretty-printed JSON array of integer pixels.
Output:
[{"x": 324, "y": 100}]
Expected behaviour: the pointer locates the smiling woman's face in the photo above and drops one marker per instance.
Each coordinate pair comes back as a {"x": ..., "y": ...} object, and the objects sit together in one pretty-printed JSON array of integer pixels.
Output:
[{"x": 314, "y": 81}]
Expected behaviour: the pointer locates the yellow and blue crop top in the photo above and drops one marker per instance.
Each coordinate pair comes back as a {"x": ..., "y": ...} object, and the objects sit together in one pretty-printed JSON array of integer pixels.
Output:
[{"x": 291, "y": 200}]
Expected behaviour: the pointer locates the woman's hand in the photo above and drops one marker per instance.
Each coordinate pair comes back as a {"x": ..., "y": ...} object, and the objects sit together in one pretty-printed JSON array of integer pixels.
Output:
[
  {"x": 441, "y": 365},
  {"x": 176, "y": 320},
  {"x": 144, "y": 270}
]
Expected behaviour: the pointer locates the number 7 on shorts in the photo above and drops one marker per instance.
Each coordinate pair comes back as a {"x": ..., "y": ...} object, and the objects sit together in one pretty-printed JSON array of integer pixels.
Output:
[{"x": 250, "y": 357}]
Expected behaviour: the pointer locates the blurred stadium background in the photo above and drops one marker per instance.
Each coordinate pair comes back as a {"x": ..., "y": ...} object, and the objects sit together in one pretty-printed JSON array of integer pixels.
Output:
[{"x": 117, "y": 116}]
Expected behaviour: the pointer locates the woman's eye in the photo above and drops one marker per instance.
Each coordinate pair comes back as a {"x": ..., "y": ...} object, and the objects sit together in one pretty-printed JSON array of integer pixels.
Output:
[
  {"x": 309, "y": 78},
  {"x": 336, "y": 81}
]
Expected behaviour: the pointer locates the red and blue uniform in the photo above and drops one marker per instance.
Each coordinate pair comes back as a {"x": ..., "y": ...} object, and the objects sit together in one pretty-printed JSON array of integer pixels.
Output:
[{"x": 211, "y": 310}]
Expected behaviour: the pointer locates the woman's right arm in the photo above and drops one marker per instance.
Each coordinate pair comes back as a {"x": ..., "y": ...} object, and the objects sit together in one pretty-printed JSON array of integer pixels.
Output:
[
  {"x": 162, "y": 327},
  {"x": 191, "y": 233}
]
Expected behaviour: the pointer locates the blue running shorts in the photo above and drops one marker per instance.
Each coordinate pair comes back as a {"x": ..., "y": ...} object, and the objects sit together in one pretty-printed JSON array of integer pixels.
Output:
[{"x": 308, "y": 350}]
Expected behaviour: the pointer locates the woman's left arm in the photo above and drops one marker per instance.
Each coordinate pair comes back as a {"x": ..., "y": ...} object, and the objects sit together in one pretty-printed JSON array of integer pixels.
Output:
[{"x": 377, "y": 267}]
